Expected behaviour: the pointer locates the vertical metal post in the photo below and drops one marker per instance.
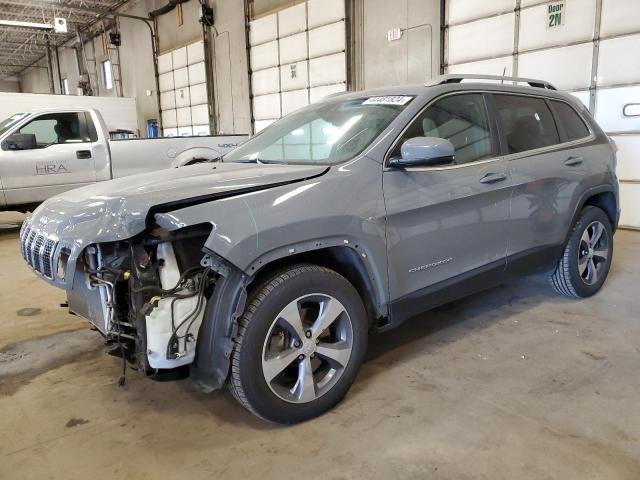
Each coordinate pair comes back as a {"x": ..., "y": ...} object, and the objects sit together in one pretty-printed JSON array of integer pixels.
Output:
[
  {"x": 209, "y": 71},
  {"x": 248, "y": 51},
  {"x": 593, "y": 84},
  {"x": 443, "y": 35},
  {"x": 52, "y": 88},
  {"x": 516, "y": 39},
  {"x": 59, "y": 72}
]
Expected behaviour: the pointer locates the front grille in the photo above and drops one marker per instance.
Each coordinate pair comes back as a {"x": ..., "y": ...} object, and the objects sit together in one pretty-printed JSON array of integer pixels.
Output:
[{"x": 37, "y": 249}]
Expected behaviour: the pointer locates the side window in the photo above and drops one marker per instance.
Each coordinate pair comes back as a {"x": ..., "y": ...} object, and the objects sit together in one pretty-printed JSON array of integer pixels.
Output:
[
  {"x": 54, "y": 128},
  {"x": 527, "y": 122},
  {"x": 461, "y": 119},
  {"x": 573, "y": 125}
]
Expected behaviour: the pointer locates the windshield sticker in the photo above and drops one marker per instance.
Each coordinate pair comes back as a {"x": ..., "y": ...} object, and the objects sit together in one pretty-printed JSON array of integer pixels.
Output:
[{"x": 388, "y": 100}]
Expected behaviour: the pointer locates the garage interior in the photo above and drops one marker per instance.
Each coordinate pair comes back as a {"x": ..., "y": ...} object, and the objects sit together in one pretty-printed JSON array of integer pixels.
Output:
[{"x": 514, "y": 382}]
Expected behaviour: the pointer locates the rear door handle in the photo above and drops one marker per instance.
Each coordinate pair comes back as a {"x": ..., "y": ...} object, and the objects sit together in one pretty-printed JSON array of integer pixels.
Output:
[
  {"x": 573, "y": 161},
  {"x": 82, "y": 154},
  {"x": 493, "y": 178}
]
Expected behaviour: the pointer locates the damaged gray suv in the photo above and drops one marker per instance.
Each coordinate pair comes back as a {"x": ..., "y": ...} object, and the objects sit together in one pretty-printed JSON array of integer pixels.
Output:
[{"x": 266, "y": 270}]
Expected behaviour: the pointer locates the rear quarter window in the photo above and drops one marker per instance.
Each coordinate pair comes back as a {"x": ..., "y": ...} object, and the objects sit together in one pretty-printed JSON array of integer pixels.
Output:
[{"x": 573, "y": 126}]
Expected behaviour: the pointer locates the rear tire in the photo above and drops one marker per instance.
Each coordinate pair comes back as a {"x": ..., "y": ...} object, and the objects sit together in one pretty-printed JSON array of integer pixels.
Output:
[
  {"x": 300, "y": 344},
  {"x": 586, "y": 260}
]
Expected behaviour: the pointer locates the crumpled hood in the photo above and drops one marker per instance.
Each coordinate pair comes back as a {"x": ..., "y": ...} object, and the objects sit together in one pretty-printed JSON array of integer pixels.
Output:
[{"x": 117, "y": 209}]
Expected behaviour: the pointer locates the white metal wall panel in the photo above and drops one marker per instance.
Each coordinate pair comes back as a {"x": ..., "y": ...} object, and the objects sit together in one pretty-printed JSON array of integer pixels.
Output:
[
  {"x": 265, "y": 81},
  {"x": 183, "y": 99},
  {"x": 166, "y": 81},
  {"x": 183, "y": 117},
  {"x": 183, "y": 87},
  {"x": 165, "y": 64},
  {"x": 609, "y": 106},
  {"x": 197, "y": 73},
  {"x": 179, "y": 57},
  {"x": 264, "y": 56},
  {"x": 181, "y": 78},
  {"x": 619, "y": 16},
  {"x": 169, "y": 118},
  {"x": 579, "y": 25},
  {"x": 294, "y": 76},
  {"x": 201, "y": 130},
  {"x": 321, "y": 12},
  {"x": 628, "y": 159},
  {"x": 493, "y": 66},
  {"x": 168, "y": 100},
  {"x": 619, "y": 60},
  {"x": 200, "y": 114},
  {"x": 185, "y": 131},
  {"x": 286, "y": 41},
  {"x": 195, "y": 53},
  {"x": 491, "y": 37},
  {"x": 293, "y": 48},
  {"x": 327, "y": 39},
  {"x": 294, "y": 100},
  {"x": 327, "y": 70},
  {"x": 528, "y": 3},
  {"x": 629, "y": 204},
  {"x": 266, "y": 107},
  {"x": 575, "y": 62},
  {"x": 318, "y": 93},
  {"x": 292, "y": 20},
  {"x": 583, "y": 96},
  {"x": 459, "y": 11},
  {"x": 263, "y": 30},
  {"x": 198, "y": 93}
]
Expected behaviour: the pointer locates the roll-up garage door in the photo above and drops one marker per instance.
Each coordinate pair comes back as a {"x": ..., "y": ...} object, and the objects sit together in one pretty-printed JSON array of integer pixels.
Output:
[
  {"x": 589, "y": 50},
  {"x": 297, "y": 56},
  {"x": 183, "y": 91}
]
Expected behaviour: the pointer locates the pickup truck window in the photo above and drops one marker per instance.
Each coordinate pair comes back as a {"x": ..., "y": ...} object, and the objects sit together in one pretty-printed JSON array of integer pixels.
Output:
[
  {"x": 8, "y": 123},
  {"x": 324, "y": 134},
  {"x": 54, "y": 128}
]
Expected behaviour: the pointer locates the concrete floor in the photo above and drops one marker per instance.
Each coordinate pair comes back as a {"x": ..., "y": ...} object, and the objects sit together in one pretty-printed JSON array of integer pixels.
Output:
[{"x": 512, "y": 383}]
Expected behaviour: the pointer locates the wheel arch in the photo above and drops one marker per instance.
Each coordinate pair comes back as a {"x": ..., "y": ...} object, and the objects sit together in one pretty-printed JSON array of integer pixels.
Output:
[
  {"x": 196, "y": 153},
  {"x": 603, "y": 197},
  {"x": 347, "y": 260}
]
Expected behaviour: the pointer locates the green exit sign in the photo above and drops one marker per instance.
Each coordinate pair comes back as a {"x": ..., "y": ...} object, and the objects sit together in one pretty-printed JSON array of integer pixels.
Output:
[{"x": 556, "y": 13}]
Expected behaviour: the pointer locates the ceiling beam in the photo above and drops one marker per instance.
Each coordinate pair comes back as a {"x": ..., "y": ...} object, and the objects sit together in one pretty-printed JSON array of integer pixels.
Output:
[
  {"x": 20, "y": 24},
  {"x": 80, "y": 8}
]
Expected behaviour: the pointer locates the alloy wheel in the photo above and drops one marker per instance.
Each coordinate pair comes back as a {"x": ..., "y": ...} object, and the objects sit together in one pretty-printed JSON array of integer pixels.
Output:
[
  {"x": 593, "y": 252},
  {"x": 307, "y": 348}
]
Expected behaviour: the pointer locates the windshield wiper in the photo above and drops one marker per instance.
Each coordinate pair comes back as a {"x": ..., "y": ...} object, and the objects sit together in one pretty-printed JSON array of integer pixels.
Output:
[{"x": 258, "y": 161}]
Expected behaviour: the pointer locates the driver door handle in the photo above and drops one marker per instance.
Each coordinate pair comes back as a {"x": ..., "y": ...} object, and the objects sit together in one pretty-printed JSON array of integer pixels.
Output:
[
  {"x": 82, "y": 154},
  {"x": 493, "y": 178},
  {"x": 573, "y": 161}
]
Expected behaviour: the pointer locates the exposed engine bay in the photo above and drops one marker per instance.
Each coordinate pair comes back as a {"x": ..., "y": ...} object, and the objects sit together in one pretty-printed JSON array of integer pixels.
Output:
[{"x": 147, "y": 296}]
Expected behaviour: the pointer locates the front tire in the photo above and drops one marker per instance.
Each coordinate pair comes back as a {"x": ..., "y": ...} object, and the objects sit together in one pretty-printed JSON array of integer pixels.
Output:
[
  {"x": 300, "y": 344},
  {"x": 586, "y": 260}
]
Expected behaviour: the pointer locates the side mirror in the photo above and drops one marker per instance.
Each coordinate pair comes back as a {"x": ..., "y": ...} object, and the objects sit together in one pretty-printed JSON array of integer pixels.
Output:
[
  {"x": 425, "y": 151},
  {"x": 20, "y": 141}
]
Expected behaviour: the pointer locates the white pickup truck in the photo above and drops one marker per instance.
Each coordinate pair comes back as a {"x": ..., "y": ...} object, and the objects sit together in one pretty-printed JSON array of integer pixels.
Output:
[{"x": 47, "y": 152}]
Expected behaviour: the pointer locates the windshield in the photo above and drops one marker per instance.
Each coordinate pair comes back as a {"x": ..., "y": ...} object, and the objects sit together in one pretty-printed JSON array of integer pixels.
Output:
[
  {"x": 11, "y": 121},
  {"x": 323, "y": 134}
]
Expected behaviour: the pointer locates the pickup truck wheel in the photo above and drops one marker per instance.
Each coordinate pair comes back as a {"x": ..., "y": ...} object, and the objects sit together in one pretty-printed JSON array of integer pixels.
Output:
[
  {"x": 585, "y": 263},
  {"x": 299, "y": 346}
]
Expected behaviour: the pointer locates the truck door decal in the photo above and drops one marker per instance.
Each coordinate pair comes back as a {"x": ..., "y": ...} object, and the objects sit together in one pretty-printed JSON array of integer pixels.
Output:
[{"x": 51, "y": 167}]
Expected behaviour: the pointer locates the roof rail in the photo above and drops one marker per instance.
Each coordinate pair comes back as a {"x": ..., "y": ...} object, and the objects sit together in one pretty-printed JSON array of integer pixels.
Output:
[{"x": 453, "y": 78}]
